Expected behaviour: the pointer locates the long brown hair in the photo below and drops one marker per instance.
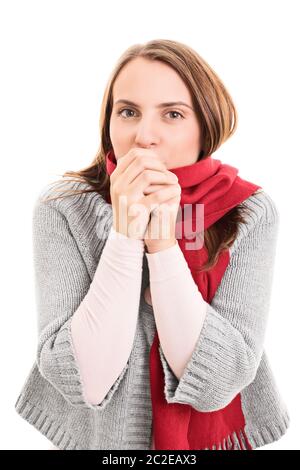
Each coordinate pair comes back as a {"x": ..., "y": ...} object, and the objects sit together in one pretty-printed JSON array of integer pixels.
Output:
[{"x": 217, "y": 118}]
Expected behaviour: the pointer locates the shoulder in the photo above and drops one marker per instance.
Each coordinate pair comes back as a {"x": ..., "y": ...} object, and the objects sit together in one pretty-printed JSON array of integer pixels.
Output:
[
  {"x": 71, "y": 199},
  {"x": 65, "y": 189},
  {"x": 263, "y": 206},
  {"x": 261, "y": 216},
  {"x": 86, "y": 216},
  {"x": 261, "y": 209}
]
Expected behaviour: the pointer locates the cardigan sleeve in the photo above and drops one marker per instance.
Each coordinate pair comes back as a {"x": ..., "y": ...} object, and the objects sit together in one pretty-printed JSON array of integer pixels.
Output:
[
  {"x": 105, "y": 322},
  {"x": 230, "y": 344},
  {"x": 61, "y": 284},
  {"x": 174, "y": 291}
]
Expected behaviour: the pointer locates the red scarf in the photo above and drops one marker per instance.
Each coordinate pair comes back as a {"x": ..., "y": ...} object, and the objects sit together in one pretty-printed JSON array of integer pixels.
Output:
[{"x": 176, "y": 425}]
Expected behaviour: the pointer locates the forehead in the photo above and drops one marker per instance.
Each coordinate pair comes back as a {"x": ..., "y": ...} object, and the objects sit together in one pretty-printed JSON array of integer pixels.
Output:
[{"x": 141, "y": 80}]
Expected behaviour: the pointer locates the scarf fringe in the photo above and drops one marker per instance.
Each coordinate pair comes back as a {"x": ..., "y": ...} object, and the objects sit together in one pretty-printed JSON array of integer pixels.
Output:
[{"x": 229, "y": 443}]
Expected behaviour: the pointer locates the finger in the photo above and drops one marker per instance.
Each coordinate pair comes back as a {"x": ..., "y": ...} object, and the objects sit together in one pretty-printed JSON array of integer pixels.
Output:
[
  {"x": 154, "y": 199},
  {"x": 152, "y": 188},
  {"x": 127, "y": 160},
  {"x": 149, "y": 177},
  {"x": 140, "y": 165}
]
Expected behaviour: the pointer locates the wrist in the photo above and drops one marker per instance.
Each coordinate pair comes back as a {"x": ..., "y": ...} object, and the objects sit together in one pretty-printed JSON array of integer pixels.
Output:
[{"x": 159, "y": 245}]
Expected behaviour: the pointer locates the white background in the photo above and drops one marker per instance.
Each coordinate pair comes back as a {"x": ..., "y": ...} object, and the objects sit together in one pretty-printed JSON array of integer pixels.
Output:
[{"x": 56, "y": 57}]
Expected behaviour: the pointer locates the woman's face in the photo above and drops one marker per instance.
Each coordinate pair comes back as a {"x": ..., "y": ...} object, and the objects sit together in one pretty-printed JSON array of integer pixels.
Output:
[{"x": 172, "y": 131}]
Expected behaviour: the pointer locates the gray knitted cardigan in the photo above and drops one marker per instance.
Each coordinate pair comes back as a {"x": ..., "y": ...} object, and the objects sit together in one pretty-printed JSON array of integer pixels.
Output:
[{"x": 68, "y": 237}]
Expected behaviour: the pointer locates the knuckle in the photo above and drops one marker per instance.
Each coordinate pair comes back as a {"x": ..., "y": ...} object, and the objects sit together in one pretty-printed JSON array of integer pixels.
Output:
[
  {"x": 157, "y": 197},
  {"x": 147, "y": 176}
]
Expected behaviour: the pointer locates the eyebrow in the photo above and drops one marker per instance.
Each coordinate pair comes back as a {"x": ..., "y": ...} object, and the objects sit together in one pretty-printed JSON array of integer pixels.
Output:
[{"x": 161, "y": 105}]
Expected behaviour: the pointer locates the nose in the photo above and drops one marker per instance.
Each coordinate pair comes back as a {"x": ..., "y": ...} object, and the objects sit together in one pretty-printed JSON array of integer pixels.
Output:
[{"x": 146, "y": 134}]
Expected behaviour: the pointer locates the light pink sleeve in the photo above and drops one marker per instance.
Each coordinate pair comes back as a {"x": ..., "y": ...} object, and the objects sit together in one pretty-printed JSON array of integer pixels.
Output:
[
  {"x": 105, "y": 321},
  {"x": 178, "y": 306}
]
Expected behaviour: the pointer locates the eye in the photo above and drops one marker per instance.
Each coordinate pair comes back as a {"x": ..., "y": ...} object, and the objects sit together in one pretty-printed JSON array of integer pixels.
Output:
[
  {"x": 131, "y": 110},
  {"x": 125, "y": 109},
  {"x": 176, "y": 112}
]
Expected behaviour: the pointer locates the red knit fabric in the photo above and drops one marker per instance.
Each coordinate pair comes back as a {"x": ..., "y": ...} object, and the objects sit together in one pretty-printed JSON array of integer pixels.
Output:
[{"x": 179, "y": 426}]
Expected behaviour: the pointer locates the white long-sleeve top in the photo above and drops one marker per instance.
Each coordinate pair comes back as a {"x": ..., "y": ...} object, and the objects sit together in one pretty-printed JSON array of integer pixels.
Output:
[{"x": 99, "y": 326}]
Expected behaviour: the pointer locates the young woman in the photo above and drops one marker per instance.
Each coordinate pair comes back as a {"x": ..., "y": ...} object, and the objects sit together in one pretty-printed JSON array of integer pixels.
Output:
[{"x": 153, "y": 272}]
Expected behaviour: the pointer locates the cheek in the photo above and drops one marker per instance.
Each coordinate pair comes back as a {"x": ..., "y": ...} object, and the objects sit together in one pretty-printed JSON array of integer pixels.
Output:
[
  {"x": 120, "y": 140},
  {"x": 184, "y": 147},
  {"x": 189, "y": 133},
  {"x": 117, "y": 132},
  {"x": 186, "y": 139},
  {"x": 113, "y": 129},
  {"x": 117, "y": 136}
]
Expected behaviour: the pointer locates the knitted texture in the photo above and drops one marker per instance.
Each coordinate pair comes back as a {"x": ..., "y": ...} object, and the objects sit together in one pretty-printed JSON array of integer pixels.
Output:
[{"x": 229, "y": 358}]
